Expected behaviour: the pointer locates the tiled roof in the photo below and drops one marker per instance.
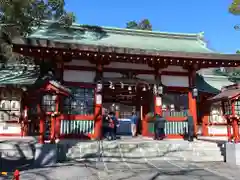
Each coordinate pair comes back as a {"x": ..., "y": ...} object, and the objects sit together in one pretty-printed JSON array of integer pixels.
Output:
[
  {"x": 204, "y": 86},
  {"x": 18, "y": 74},
  {"x": 121, "y": 38}
]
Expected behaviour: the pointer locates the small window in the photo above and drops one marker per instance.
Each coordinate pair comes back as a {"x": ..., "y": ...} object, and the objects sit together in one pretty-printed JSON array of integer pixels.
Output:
[{"x": 227, "y": 108}]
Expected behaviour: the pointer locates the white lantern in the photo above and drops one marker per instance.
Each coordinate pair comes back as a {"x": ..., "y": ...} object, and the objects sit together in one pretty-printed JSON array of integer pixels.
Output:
[{"x": 195, "y": 92}]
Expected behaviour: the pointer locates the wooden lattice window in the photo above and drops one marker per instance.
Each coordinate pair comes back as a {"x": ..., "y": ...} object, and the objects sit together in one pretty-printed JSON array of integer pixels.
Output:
[
  {"x": 49, "y": 102},
  {"x": 237, "y": 107},
  {"x": 81, "y": 101},
  {"x": 227, "y": 108}
]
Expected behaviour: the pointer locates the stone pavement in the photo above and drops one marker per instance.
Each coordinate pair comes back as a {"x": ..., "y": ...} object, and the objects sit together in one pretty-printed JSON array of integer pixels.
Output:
[
  {"x": 139, "y": 170},
  {"x": 133, "y": 167}
]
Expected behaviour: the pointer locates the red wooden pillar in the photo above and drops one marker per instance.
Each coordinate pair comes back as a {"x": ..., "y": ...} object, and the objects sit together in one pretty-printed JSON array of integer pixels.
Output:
[
  {"x": 41, "y": 125},
  {"x": 98, "y": 104},
  {"x": 57, "y": 119},
  {"x": 157, "y": 104},
  {"x": 205, "y": 118},
  {"x": 204, "y": 114},
  {"x": 24, "y": 122},
  {"x": 229, "y": 130},
  {"x": 235, "y": 124},
  {"x": 145, "y": 110},
  {"x": 52, "y": 128},
  {"x": 235, "y": 130},
  {"x": 60, "y": 66},
  {"x": 54, "y": 120},
  {"x": 192, "y": 100},
  {"x": 117, "y": 112},
  {"x": 157, "y": 97}
]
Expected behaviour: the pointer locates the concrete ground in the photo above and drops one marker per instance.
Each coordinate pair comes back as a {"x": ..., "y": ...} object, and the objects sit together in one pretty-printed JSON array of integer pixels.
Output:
[
  {"x": 132, "y": 169},
  {"x": 139, "y": 170}
]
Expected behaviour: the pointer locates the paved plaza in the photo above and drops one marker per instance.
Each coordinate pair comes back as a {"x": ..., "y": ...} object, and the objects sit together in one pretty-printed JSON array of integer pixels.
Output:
[
  {"x": 123, "y": 170},
  {"x": 132, "y": 168}
]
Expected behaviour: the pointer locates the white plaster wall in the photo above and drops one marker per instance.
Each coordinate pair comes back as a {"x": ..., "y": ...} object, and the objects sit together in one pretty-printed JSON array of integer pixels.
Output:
[
  {"x": 121, "y": 65},
  {"x": 146, "y": 77},
  {"x": 10, "y": 128},
  {"x": 217, "y": 130},
  {"x": 111, "y": 75},
  {"x": 78, "y": 76},
  {"x": 80, "y": 63},
  {"x": 175, "y": 81},
  {"x": 175, "y": 69}
]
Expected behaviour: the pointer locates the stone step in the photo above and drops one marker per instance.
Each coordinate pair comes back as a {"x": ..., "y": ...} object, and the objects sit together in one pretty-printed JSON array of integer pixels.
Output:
[
  {"x": 16, "y": 150},
  {"x": 115, "y": 150}
]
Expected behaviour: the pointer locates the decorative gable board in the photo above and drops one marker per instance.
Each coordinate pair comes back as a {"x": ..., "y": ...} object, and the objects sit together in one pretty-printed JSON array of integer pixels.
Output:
[{"x": 79, "y": 76}]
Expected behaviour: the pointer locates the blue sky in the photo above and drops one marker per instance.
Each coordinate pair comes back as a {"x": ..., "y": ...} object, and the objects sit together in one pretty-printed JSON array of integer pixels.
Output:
[{"x": 185, "y": 16}]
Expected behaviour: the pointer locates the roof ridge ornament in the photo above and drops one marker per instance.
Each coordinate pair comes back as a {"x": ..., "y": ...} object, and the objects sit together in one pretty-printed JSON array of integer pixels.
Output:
[{"x": 201, "y": 34}]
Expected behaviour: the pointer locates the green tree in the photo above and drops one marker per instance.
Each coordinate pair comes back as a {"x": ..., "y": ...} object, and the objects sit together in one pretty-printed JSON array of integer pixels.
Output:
[
  {"x": 18, "y": 17},
  {"x": 234, "y": 8},
  {"x": 143, "y": 25},
  {"x": 132, "y": 25}
]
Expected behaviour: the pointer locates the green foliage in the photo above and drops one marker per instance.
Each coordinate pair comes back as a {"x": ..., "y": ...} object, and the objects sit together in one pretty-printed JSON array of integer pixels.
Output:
[
  {"x": 18, "y": 17},
  {"x": 238, "y": 52},
  {"x": 234, "y": 8},
  {"x": 132, "y": 25},
  {"x": 26, "y": 14},
  {"x": 143, "y": 25}
]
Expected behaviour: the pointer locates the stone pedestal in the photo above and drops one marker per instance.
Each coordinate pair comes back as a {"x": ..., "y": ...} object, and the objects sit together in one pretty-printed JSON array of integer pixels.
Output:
[
  {"x": 45, "y": 155},
  {"x": 232, "y": 153}
]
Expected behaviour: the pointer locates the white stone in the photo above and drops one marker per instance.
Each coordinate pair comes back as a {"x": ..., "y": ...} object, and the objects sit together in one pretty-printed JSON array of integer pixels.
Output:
[{"x": 232, "y": 153}]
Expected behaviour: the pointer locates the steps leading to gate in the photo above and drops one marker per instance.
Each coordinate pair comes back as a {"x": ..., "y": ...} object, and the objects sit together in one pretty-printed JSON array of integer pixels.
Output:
[{"x": 139, "y": 150}]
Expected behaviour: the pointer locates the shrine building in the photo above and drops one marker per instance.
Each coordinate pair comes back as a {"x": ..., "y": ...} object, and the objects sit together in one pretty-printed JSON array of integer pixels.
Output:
[{"x": 94, "y": 67}]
